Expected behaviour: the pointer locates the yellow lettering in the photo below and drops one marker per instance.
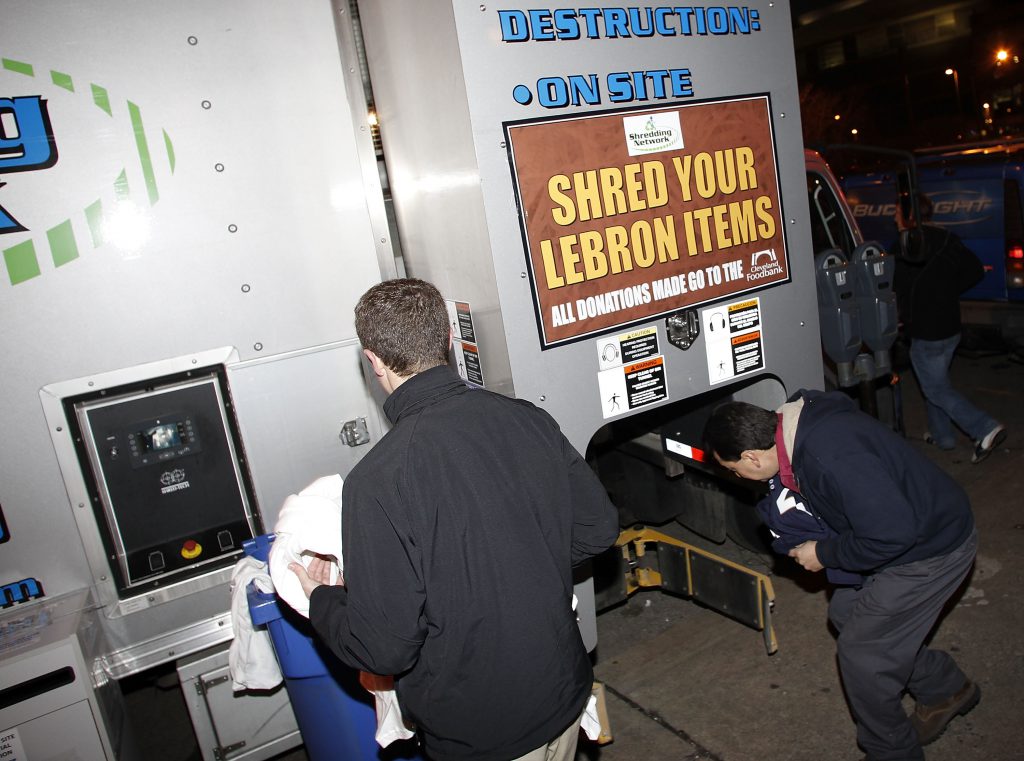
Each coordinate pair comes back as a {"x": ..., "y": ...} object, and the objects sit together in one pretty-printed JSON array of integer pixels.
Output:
[
  {"x": 767, "y": 226},
  {"x": 633, "y": 188},
  {"x": 721, "y": 226},
  {"x": 565, "y": 212},
  {"x": 611, "y": 191},
  {"x": 595, "y": 264},
  {"x": 618, "y": 251},
  {"x": 570, "y": 258},
  {"x": 654, "y": 182},
  {"x": 725, "y": 171},
  {"x": 588, "y": 200},
  {"x": 551, "y": 276},
  {"x": 682, "y": 165},
  {"x": 665, "y": 235},
  {"x": 745, "y": 168},
  {"x": 742, "y": 215},
  {"x": 701, "y": 215},
  {"x": 704, "y": 175},
  {"x": 642, "y": 242}
]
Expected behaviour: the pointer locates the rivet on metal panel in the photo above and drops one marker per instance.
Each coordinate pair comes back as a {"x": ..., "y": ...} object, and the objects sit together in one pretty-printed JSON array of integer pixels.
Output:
[
  {"x": 232, "y": 228},
  {"x": 246, "y": 288},
  {"x": 501, "y": 144},
  {"x": 60, "y": 428},
  {"x": 792, "y": 221},
  {"x": 91, "y": 384},
  {"x": 383, "y": 240},
  {"x": 219, "y": 167},
  {"x": 782, "y": 115},
  {"x": 206, "y": 104},
  {"x": 522, "y": 274},
  {"x": 543, "y": 398},
  {"x": 483, "y": 8},
  {"x": 193, "y": 40},
  {"x": 257, "y": 346},
  {"x": 81, "y": 504}
]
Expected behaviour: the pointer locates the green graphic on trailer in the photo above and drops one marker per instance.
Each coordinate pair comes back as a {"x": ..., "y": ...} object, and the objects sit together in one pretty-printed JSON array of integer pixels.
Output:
[{"x": 28, "y": 142}]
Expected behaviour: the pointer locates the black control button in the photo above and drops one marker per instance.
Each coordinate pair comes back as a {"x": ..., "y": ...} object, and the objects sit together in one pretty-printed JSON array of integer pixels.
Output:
[
  {"x": 156, "y": 561},
  {"x": 225, "y": 540}
]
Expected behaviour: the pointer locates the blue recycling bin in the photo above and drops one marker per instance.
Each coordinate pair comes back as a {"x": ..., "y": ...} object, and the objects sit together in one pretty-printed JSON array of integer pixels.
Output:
[{"x": 335, "y": 714}]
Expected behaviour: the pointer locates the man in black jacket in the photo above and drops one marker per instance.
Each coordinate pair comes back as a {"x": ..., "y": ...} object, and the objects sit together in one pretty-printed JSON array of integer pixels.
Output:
[
  {"x": 460, "y": 529},
  {"x": 928, "y": 282},
  {"x": 899, "y": 520}
]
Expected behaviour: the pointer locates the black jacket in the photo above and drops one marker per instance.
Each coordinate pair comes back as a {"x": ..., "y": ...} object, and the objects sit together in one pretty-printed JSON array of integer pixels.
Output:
[
  {"x": 461, "y": 528},
  {"x": 887, "y": 502},
  {"x": 928, "y": 292}
]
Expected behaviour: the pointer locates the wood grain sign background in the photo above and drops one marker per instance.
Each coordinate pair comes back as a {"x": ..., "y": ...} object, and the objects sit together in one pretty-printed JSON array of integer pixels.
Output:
[{"x": 634, "y": 214}]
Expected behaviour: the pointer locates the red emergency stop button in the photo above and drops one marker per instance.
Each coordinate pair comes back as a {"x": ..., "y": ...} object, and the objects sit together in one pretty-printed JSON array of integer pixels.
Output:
[{"x": 191, "y": 549}]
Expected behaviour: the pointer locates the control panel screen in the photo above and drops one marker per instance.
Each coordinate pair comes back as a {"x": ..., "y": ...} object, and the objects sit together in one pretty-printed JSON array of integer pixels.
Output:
[{"x": 159, "y": 437}]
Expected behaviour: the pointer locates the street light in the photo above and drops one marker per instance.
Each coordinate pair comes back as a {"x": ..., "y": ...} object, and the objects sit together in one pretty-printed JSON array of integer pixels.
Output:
[
  {"x": 956, "y": 86},
  {"x": 1001, "y": 56}
]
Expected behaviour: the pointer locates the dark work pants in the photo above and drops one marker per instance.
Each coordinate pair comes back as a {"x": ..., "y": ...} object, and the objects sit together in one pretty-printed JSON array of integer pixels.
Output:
[{"x": 882, "y": 627}]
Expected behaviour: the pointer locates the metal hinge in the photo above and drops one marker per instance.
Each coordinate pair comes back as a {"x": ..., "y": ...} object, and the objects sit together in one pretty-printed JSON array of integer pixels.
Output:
[
  {"x": 221, "y": 753},
  {"x": 203, "y": 687},
  {"x": 354, "y": 432}
]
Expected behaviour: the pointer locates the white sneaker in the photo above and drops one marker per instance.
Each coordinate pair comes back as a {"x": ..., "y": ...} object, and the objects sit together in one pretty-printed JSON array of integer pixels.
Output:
[{"x": 992, "y": 439}]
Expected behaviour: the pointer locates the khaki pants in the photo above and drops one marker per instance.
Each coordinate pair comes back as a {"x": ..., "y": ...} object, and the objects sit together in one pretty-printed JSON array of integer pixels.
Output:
[{"x": 562, "y": 748}]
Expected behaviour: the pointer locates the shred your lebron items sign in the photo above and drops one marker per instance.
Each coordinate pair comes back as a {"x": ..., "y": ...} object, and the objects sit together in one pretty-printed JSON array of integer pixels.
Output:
[{"x": 634, "y": 214}]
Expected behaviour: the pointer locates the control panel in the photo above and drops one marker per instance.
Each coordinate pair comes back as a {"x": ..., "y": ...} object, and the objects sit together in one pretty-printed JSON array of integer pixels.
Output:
[{"x": 165, "y": 471}]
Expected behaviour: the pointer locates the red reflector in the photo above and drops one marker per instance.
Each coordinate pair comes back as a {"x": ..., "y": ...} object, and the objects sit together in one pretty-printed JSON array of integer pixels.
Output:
[
  {"x": 686, "y": 450},
  {"x": 1015, "y": 252}
]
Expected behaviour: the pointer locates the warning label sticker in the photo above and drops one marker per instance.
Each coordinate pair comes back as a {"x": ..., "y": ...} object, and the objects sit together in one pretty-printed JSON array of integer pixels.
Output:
[{"x": 733, "y": 337}]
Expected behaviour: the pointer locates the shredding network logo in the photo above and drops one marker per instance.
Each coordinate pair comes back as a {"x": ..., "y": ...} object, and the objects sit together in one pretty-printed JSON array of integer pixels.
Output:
[{"x": 653, "y": 133}]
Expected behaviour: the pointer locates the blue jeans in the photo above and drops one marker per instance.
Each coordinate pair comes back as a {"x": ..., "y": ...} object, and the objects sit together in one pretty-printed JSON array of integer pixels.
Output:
[{"x": 946, "y": 405}]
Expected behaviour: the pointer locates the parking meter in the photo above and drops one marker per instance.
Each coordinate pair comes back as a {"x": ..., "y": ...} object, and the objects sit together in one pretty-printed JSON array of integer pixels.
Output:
[
  {"x": 837, "y": 313},
  {"x": 872, "y": 270}
]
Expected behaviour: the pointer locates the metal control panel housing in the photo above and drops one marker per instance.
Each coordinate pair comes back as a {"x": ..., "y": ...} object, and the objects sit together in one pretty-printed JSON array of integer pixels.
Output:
[{"x": 168, "y": 485}]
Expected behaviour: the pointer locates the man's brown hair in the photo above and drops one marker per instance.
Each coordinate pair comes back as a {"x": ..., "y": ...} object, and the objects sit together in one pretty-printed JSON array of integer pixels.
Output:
[{"x": 405, "y": 323}]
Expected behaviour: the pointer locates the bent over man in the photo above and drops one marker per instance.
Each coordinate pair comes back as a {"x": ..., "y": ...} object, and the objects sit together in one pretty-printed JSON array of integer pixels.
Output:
[
  {"x": 901, "y": 522},
  {"x": 461, "y": 528}
]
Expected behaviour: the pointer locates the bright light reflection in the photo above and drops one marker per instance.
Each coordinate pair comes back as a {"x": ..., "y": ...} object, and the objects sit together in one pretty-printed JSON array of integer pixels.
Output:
[
  {"x": 126, "y": 227},
  {"x": 429, "y": 184}
]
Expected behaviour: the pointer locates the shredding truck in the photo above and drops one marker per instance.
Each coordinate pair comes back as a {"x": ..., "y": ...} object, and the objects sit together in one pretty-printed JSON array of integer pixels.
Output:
[{"x": 193, "y": 195}]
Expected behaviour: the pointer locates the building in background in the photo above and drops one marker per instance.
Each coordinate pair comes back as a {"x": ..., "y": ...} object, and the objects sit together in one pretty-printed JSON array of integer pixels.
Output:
[{"x": 910, "y": 74}]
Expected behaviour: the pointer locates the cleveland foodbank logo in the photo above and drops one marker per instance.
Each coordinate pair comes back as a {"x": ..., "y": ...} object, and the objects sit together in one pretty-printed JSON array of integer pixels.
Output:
[
  {"x": 764, "y": 264},
  {"x": 653, "y": 133}
]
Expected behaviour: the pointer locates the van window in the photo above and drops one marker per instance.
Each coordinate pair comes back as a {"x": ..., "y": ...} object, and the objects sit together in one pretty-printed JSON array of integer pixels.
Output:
[{"x": 828, "y": 225}]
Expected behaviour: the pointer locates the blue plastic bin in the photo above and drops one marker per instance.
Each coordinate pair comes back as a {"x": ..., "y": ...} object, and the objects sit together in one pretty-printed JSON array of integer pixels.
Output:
[{"x": 335, "y": 714}]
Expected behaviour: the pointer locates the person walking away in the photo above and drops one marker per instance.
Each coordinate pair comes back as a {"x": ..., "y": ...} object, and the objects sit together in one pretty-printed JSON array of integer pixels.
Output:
[
  {"x": 898, "y": 520},
  {"x": 928, "y": 282},
  {"x": 461, "y": 528}
]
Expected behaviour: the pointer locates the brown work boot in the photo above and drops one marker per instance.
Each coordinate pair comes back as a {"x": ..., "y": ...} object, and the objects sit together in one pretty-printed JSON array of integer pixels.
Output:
[{"x": 931, "y": 721}]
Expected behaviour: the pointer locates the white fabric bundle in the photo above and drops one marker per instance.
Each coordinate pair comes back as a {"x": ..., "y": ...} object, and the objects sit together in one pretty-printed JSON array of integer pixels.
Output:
[{"x": 309, "y": 524}]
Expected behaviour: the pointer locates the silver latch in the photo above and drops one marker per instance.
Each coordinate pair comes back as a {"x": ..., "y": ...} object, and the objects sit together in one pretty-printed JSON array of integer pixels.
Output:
[
  {"x": 354, "y": 432},
  {"x": 682, "y": 328}
]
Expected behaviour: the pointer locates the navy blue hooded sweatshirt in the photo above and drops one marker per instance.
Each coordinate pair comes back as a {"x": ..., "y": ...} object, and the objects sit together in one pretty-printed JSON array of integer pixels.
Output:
[{"x": 887, "y": 502}]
